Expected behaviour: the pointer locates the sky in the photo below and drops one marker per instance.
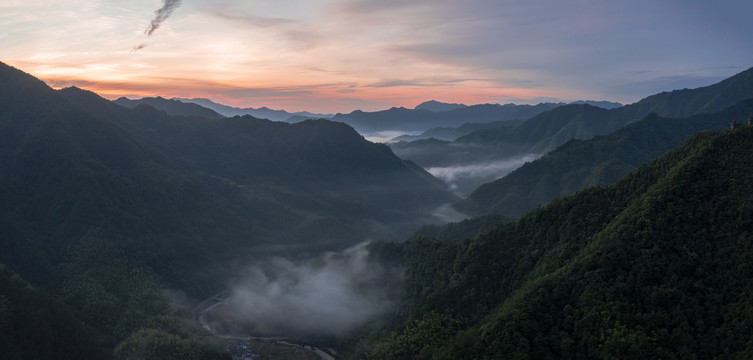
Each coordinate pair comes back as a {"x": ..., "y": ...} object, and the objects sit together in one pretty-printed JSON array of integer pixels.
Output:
[{"x": 333, "y": 56}]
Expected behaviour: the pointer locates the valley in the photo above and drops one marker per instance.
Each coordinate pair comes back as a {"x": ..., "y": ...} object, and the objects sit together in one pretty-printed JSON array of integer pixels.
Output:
[{"x": 165, "y": 228}]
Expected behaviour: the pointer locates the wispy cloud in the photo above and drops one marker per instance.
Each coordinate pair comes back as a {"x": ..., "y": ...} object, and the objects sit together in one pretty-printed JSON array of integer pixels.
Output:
[
  {"x": 463, "y": 178},
  {"x": 161, "y": 14},
  {"x": 139, "y": 46}
]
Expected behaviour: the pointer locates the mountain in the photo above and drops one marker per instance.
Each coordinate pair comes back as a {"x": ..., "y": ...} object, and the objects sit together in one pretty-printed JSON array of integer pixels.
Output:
[
  {"x": 547, "y": 131},
  {"x": 262, "y": 113},
  {"x": 436, "y": 106},
  {"x": 452, "y": 133},
  {"x": 105, "y": 207},
  {"x": 449, "y": 134},
  {"x": 598, "y": 161},
  {"x": 172, "y": 107},
  {"x": 602, "y": 104},
  {"x": 90, "y": 216},
  {"x": 657, "y": 265},
  {"x": 410, "y": 120},
  {"x": 687, "y": 102}
]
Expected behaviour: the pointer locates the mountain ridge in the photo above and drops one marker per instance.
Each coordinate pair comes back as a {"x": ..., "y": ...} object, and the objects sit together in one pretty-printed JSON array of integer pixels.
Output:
[
  {"x": 599, "y": 161},
  {"x": 546, "y": 131},
  {"x": 408, "y": 120},
  {"x": 436, "y": 106},
  {"x": 171, "y": 106},
  {"x": 262, "y": 112}
]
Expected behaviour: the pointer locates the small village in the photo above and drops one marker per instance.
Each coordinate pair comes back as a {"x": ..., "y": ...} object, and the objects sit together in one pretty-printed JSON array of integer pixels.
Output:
[{"x": 242, "y": 351}]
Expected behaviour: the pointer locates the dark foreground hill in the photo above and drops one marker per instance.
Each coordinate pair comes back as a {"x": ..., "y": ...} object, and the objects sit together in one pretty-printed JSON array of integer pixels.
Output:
[
  {"x": 658, "y": 265},
  {"x": 73, "y": 162},
  {"x": 595, "y": 162}
]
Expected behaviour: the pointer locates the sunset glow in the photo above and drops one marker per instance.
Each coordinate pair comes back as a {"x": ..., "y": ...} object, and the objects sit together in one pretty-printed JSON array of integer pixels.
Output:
[{"x": 341, "y": 55}]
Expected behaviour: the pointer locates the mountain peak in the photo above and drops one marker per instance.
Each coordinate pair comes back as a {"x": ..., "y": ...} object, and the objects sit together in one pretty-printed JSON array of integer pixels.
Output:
[
  {"x": 602, "y": 104},
  {"x": 171, "y": 106},
  {"x": 436, "y": 106}
]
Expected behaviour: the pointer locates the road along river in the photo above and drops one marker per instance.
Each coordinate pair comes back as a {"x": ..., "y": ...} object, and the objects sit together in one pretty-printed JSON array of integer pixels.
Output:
[{"x": 205, "y": 307}]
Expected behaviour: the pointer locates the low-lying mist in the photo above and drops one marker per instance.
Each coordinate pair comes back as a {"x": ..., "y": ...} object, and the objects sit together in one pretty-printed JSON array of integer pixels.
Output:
[
  {"x": 324, "y": 296},
  {"x": 386, "y": 136},
  {"x": 464, "y": 178}
]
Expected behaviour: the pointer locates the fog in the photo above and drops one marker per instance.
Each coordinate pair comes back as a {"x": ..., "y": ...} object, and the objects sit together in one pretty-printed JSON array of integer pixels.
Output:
[
  {"x": 387, "y": 136},
  {"x": 447, "y": 214},
  {"x": 324, "y": 296},
  {"x": 464, "y": 178}
]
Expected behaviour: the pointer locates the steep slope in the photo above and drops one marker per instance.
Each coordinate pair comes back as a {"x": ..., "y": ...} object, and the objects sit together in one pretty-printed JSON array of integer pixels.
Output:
[
  {"x": 98, "y": 219},
  {"x": 34, "y": 323},
  {"x": 143, "y": 174},
  {"x": 657, "y": 265},
  {"x": 314, "y": 176},
  {"x": 595, "y": 162},
  {"x": 551, "y": 129},
  {"x": 687, "y": 102},
  {"x": 65, "y": 172},
  {"x": 547, "y": 130}
]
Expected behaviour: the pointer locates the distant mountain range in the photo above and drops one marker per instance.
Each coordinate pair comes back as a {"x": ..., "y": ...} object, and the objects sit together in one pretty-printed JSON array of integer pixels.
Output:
[
  {"x": 261, "y": 113},
  {"x": 395, "y": 119},
  {"x": 411, "y": 120},
  {"x": 436, "y": 106},
  {"x": 599, "y": 161},
  {"x": 547, "y": 131},
  {"x": 452, "y": 133},
  {"x": 602, "y": 104},
  {"x": 172, "y": 107}
]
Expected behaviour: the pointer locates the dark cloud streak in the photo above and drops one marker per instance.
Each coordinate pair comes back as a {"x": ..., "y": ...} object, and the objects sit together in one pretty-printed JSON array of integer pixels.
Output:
[
  {"x": 139, "y": 47},
  {"x": 161, "y": 15}
]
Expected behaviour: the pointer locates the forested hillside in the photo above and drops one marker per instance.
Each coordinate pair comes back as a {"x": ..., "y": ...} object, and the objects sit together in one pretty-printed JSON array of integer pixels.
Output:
[
  {"x": 658, "y": 265},
  {"x": 105, "y": 208},
  {"x": 595, "y": 162}
]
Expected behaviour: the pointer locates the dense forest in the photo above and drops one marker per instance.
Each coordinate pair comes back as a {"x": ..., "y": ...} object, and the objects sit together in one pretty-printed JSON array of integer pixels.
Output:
[
  {"x": 598, "y": 161},
  {"x": 658, "y": 265}
]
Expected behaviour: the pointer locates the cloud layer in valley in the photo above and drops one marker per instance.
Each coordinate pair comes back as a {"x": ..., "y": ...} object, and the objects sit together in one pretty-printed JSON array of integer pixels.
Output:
[
  {"x": 327, "y": 295},
  {"x": 463, "y": 178}
]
